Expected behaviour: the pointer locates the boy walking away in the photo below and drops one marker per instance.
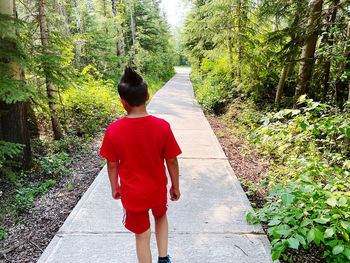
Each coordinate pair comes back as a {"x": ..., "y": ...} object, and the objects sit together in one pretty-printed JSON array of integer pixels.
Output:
[{"x": 135, "y": 148}]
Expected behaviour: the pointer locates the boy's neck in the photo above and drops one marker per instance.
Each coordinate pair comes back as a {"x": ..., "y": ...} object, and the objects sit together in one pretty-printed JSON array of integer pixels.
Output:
[{"x": 136, "y": 112}]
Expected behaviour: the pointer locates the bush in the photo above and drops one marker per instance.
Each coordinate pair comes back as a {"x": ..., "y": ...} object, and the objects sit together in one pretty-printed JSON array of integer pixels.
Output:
[
  {"x": 213, "y": 86},
  {"x": 55, "y": 164},
  {"x": 309, "y": 199},
  {"x": 92, "y": 105},
  {"x": 8, "y": 153},
  {"x": 313, "y": 206}
]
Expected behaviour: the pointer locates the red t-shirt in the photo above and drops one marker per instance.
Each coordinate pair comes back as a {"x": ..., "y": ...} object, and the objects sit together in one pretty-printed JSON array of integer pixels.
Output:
[{"x": 140, "y": 145}]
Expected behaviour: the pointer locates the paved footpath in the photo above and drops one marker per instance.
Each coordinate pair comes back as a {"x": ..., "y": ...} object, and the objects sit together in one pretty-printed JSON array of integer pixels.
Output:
[{"x": 207, "y": 225}]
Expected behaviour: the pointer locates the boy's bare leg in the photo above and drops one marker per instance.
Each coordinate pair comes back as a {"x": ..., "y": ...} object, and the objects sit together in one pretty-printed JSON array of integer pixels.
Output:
[
  {"x": 143, "y": 248},
  {"x": 161, "y": 223}
]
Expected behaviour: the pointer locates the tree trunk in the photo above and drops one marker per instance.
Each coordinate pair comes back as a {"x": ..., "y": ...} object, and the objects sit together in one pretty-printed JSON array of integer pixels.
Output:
[
  {"x": 78, "y": 47},
  {"x": 13, "y": 116},
  {"x": 56, "y": 127},
  {"x": 341, "y": 86},
  {"x": 329, "y": 40},
  {"x": 306, "y": 63},
  {"x": 239, "y": 43},
  {"x": 120, "y": 46},
  {"x": 61, "y": 9},
  {"x": 347, "y": 55},
  {"x": 132, "y": 29},
  {"x": 33, "y": 124},
  {"x": 281, "y": 82}
]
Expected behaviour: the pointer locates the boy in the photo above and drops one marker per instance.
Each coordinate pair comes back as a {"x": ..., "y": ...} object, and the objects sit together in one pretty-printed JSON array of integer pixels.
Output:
[{"x": 135, "y": 148}]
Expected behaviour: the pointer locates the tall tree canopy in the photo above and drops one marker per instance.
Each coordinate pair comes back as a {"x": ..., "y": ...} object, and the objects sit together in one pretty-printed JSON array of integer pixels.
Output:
[
  {"x": 271, "y": 50},
  {"x": 53, "y": 50}
]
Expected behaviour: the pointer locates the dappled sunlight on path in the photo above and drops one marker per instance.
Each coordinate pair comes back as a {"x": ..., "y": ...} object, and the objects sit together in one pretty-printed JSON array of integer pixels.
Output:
[{"x": 206, "y": 225}]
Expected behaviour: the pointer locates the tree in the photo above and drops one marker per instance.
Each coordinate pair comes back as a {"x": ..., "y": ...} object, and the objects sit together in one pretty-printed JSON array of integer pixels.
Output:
[
  {"x": 348, "y": 51},
  {"x": 328, "y": 40},
  {"x": 56, "y": 126},
  {"x": 306, "y": 63},
  {"x": 132, "y": 28},
  {"x": 117, "y": 17},
  {"x": 14, "y": 93}
]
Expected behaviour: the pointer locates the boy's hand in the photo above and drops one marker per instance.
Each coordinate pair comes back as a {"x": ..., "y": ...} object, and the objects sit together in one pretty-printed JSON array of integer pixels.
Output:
[
  {"x": 174, "y": 193},
  {"x": 116, "y": 193}
]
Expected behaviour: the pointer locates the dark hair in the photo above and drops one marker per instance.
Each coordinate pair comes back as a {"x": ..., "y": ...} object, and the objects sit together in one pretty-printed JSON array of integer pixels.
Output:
[{"x": 132, "y": 88}]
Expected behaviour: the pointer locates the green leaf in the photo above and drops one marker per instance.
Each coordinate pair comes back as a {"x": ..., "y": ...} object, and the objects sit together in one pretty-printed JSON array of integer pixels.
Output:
[
  {"x": 329, "y": 232},
  {"x": 284, "y": 232},
  {"x": 287, "y": 199},
  {"x": 346, "y": 252},
  {"x": 331, "y": 201},
  {"x": 293, "y": 243},
  {"x": 311, "y": 235},
  {"x": 305, "y": 222},
  {"x": 322, "y": 220},
  {"x": 348, "y": 132},
  {"x": 301, "y": 239},
  {"x": 318, "y": 236},
  {"x": 338, "y": 249},
  {"x": 345, "y": 225},
  {"x": 303, "y": 126},
  {"x": 302, "y": 98},
  {"x": 274, "y": 222},
  {"x": 276, "y": 254}
]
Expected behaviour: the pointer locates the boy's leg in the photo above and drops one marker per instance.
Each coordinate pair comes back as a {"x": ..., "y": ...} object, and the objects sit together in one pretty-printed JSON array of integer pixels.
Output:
[
  {"x": 161, "y": 225},
  {"x": 143, "y": 248}
]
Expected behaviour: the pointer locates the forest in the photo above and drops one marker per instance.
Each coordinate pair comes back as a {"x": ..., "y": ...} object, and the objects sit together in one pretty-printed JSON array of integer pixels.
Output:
[
  {"x": 278, "y": 74},
  {"x": 60, "y": 63}
]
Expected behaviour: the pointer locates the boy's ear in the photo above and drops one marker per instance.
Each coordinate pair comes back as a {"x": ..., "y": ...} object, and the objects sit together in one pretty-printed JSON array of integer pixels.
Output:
[
  {"x": 147, "y": 97},
  {"x": 125, "y": 104}
]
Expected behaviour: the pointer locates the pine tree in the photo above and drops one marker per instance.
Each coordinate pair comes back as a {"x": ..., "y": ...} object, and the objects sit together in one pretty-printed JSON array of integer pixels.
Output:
[
  {"x": 56, "y": 126},
  {"x": 306, "y": 63},
  {"x": 13, "y": 96}
]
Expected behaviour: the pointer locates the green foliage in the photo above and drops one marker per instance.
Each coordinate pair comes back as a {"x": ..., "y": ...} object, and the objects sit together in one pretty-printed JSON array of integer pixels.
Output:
[
  {"x": 55, "y": 164},
  {"x": 25, "y": 196},
  {"x": 2, "y": 233},
  {"x": 313, "y": 206},
  {"x": 309, "y": 200},
  {"x": 13, "y": 88},
  {"x": 314, "y": 130},
  {"x": 214, "y": 91},
  {"x": 8, "y": 152},
  {"x": 91, "y": 105}
]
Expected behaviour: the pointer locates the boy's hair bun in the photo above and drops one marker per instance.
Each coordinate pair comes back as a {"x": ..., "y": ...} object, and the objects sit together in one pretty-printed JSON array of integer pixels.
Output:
[
  {"x": 131, "y": 77},
  {"x": 133, "y": 88}
]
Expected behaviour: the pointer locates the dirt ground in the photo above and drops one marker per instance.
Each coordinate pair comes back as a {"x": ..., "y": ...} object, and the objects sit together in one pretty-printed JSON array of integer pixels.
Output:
[
  {"x": 27, "y": 240},
  {"x": 248, "y": 165}
]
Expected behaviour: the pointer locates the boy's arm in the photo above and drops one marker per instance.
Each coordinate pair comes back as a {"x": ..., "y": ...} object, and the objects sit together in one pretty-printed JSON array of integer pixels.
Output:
[
  {"x": 112, "y": 168},
  {"x": 173, "y": 168}
]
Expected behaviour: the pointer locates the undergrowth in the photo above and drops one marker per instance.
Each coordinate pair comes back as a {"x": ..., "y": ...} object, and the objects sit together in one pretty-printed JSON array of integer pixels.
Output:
[{"x": 308, "y": 180}]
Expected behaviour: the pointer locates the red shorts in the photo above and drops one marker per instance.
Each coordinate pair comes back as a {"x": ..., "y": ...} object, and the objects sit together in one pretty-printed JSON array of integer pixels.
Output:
[{"x": 138, "y": 222}]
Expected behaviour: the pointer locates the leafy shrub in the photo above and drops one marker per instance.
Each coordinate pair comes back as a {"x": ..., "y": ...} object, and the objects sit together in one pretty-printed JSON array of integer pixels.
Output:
[
  {"x": 309, "y": 199},
  {"x": 212, "y": 85},
  {"x": 316, "y": 129},
  {"x": 8, "y": 151},
  {"x": 92, "y": 105},
  {"x": 311, "y": 207},
  {"x": 55, "y": 164},
  {"x": 25, "y": 196}
]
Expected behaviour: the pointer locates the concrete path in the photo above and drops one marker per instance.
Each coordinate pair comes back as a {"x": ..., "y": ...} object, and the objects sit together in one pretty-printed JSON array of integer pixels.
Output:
[{"x": 208, "y": 223}]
